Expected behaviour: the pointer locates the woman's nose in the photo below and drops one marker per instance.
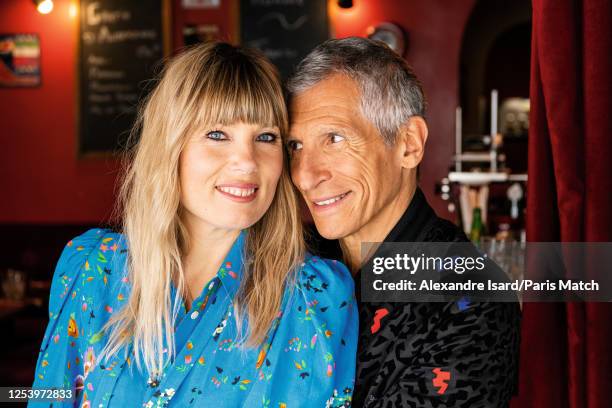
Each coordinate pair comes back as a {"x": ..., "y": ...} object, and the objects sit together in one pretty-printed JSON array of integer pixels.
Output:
[{"x": 244, "y": 158}]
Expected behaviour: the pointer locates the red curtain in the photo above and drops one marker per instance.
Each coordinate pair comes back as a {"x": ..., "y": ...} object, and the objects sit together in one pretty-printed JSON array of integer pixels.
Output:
[{"x": 566, "y": 350}]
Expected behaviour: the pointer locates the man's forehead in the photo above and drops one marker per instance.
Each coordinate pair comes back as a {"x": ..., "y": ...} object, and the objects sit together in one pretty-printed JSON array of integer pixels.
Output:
[
  {"x": 328, "y": 104},
  {"x": 334, "y": 89},
  {"x": 321, "y": 119}
]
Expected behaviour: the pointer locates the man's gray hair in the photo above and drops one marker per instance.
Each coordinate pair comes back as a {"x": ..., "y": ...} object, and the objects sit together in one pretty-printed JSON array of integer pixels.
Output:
[{"x": 390, "y": 91}]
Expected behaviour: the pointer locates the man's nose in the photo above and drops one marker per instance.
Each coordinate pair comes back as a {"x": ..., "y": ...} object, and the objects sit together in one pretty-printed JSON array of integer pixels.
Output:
[
  {"x": 244, "y": 159},
  {"x": 309, "y": 170}
]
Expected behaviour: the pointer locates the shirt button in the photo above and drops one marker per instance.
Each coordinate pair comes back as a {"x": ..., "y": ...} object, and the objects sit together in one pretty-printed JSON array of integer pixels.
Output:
[{"x": 195, "y": 315}]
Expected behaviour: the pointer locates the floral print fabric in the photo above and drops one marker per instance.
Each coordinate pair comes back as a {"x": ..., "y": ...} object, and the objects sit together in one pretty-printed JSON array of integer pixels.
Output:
[{"x": 307, "y": 360}]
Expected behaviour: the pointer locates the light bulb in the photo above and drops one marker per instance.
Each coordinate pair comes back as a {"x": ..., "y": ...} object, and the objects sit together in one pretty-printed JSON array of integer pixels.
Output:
[
  {"x": 73, "y": 10},
  {"x": 45, "y": 6}
]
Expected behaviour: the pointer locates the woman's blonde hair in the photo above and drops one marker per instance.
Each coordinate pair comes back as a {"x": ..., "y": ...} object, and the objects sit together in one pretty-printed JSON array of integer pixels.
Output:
[{"x": 207, "y": 84}]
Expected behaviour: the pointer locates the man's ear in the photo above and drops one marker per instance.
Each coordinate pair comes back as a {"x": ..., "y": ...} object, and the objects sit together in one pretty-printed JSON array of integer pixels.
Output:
[{"x": 411, "y": 139}]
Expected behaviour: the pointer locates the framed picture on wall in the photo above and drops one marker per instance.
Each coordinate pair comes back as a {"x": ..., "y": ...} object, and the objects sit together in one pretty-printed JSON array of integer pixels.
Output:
[{"x": 19, "y": 60}]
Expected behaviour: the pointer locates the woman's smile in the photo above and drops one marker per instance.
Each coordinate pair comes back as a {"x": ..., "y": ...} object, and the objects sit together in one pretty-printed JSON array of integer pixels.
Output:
[{"x": 238, "y": 192}]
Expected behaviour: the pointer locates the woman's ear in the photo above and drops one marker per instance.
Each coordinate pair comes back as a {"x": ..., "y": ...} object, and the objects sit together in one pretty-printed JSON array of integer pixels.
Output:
[{"x": 411, "y": 139}]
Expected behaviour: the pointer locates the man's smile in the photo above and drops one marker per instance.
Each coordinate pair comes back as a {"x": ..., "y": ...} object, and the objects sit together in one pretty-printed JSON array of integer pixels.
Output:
[{"x": 328, "y": 202}]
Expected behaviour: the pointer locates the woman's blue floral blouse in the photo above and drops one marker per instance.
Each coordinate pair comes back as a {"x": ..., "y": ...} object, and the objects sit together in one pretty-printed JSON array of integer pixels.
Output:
[{"x": 308, "y": 359}]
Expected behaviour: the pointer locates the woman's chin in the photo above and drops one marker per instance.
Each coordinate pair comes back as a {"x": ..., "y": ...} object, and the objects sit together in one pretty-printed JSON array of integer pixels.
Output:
[{"x": 239, "y": 223}]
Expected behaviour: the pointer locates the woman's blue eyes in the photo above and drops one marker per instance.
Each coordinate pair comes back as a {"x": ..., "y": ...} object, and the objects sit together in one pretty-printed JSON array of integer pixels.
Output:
[
  {"x": 267, "y": 137},
  {"x": 216, "y": 135},
  {"x": 264, "y": 137}
]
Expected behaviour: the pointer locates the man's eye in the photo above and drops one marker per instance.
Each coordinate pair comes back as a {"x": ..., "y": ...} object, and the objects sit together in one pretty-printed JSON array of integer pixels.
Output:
[
  {"x": 334, "y": 138},
  {"x": 267, "y": 137},
  {"x": 216, "y": 135},
  {"x": 294, "y": 145}
]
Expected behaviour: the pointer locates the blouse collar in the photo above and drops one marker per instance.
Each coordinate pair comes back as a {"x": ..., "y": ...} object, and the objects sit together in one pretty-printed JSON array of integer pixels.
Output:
[{"x": 232, "y": 269}]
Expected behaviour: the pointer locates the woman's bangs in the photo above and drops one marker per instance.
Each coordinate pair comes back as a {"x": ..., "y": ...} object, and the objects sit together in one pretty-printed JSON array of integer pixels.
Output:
[{"x": 241, "y": 98}]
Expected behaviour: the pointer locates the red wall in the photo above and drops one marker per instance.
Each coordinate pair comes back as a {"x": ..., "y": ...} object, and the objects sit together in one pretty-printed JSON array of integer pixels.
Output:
[
  {"x": 41, "y": 179},
  {"x": 225, "y": 17}
]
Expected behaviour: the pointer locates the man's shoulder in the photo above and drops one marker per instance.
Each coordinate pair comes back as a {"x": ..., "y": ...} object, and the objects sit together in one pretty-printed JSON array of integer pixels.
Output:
[{"x": 420, "y": 223}]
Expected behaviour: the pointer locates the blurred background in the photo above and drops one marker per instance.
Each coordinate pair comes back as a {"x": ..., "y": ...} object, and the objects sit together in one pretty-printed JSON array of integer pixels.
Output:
[{"x": 72, "y": 73}]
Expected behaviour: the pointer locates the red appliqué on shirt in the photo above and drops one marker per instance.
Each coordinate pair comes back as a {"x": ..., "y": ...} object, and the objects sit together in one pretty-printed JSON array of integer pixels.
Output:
[
  {"x": 440, "y": 380},
  {"x": 380, "y": 313}
]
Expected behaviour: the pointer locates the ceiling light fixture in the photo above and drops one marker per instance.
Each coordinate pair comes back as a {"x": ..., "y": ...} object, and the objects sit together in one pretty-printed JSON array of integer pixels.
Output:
[{"x": 44, "y": 6}]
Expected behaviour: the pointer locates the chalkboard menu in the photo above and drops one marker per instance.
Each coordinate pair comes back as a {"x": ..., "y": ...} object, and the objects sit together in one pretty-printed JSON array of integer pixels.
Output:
[
  {"x": 120, "y": 44},
  {"x": 285, "y": 30}
]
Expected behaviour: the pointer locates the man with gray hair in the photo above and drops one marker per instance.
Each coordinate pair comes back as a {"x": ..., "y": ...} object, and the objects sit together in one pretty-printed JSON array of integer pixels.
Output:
[{"x": 357, "y": 136}]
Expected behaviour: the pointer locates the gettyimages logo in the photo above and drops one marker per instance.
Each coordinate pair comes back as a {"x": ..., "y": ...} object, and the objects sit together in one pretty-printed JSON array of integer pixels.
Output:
[{"x": 446, "y": 272}]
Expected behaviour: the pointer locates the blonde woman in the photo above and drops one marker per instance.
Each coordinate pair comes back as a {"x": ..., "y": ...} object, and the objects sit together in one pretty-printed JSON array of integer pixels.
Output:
[{"x": 208, "y": 297}]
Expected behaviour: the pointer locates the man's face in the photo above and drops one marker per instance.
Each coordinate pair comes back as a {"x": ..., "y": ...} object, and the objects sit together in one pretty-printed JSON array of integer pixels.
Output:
[{"x": 348, "y": 176}]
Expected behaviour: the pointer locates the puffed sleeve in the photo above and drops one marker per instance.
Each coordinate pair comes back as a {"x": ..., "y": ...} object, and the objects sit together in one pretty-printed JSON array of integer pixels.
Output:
[
  {"x": 325, "y": 299},
  {"x": 60, "y": 361}
]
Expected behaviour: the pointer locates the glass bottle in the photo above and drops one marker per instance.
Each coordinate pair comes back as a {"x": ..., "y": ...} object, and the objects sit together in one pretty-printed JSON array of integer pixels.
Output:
[{"x": 476, "y": 230}]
